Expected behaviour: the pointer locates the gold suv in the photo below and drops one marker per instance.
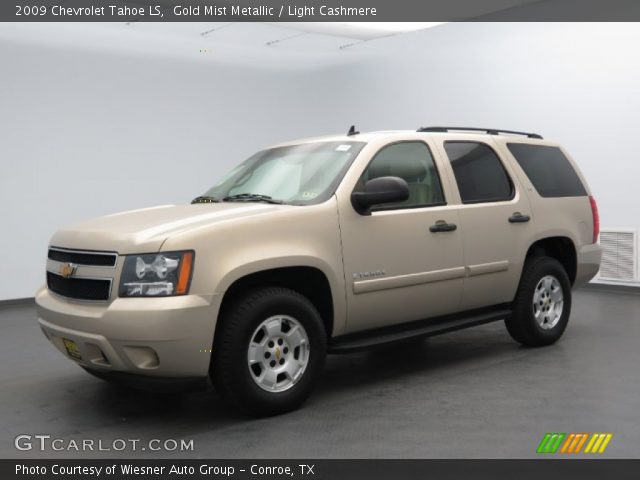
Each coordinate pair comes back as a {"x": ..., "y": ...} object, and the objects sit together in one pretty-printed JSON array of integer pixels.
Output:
[{"x": 324, "y": 245}]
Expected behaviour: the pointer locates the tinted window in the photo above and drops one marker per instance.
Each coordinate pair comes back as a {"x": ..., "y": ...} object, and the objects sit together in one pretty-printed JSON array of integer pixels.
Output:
[
  {"x": 548, "y": 169},
  {"x": 479, "y": 172},
  {"x": 411, "y": 161}
]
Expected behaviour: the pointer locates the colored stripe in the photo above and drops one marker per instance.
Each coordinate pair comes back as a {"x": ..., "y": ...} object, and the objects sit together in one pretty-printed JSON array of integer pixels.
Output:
[
  {"x": 607, "y": 439},
  {"x": 582, "y": 440},
  {"x": 596, "y": 445},
  {"x": 550, "y": 443},
  {"x": 556, "y": 443},
  {"x": 591, "y": 442},
  {"x": 543, "y": 443},
  {"x": 565, "y": 447},
  {"x": 574, "y": 443}
]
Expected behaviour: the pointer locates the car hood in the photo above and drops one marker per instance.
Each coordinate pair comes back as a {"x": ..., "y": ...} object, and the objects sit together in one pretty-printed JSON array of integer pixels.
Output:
[{"x": 145, "y": 230}]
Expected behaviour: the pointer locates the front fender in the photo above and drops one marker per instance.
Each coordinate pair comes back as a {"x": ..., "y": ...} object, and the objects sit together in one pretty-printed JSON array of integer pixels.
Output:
[{"x": 261, "y": 264}]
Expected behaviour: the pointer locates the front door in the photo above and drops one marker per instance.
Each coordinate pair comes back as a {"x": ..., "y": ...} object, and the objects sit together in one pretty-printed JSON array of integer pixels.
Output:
[{"x": 404, "y": 261}]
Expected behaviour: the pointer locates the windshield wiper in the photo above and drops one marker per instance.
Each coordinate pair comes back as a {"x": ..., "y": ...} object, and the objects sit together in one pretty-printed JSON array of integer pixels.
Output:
[
  {"x": 204, "y": 199},
  {"x": 251, "y": 197}
]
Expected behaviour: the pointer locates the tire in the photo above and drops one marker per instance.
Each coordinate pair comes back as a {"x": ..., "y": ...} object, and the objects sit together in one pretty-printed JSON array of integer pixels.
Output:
[
  {"x": 268, "y": 351},
  {"x": 543, "y": 323}
]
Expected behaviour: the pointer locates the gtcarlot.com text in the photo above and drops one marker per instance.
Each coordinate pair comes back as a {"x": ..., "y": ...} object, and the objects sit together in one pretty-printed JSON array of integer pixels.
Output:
[{"x": 45, "y": 442}]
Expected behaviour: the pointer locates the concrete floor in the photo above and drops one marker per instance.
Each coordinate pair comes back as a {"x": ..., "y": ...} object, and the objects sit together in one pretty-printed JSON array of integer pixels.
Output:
[{"x": 470, "y": 394}]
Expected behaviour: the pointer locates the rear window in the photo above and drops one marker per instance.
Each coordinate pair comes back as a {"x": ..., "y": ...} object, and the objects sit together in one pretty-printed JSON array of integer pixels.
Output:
[{"x": 548, "y": 169}]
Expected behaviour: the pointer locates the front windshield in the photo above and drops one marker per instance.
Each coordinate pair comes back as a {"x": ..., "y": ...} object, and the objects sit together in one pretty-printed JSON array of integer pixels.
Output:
[{"x": 297, "y": 174}]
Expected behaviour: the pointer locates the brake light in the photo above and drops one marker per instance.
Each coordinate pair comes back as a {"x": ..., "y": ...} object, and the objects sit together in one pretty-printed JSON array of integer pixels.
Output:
[{"x": 596, "y": 218}]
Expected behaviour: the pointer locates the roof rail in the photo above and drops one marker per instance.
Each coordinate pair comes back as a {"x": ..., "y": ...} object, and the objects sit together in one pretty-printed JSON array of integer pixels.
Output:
[{"x": 489, "y": 131}]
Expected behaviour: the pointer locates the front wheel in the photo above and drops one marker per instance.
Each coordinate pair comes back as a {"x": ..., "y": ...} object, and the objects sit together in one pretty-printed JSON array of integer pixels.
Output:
[
  {"x": 542, "y": 305},
  {"x": 268, "y": 352}
]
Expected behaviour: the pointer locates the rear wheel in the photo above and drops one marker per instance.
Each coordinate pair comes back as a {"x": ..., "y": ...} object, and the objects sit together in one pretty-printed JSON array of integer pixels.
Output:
[
  {"x": 542, "y": 305},
  {"x": 269, "y": 350}
]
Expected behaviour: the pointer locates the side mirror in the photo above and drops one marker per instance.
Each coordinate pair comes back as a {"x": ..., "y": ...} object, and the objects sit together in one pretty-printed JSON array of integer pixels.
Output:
[{"x": 379, "y": 191}]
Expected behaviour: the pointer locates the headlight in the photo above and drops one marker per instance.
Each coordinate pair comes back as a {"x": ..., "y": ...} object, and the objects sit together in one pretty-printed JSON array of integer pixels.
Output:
[{"x": 156, "y": 274}]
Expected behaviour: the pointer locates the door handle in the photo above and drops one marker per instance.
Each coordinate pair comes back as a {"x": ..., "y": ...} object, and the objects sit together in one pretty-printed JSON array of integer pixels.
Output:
[
  {"x": 442, "y": 226},
  {"x": 517, "y": 217}
]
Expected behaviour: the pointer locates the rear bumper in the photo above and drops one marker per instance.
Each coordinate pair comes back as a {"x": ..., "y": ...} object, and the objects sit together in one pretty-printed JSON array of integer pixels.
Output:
[
  {"x": 158, "y": 337},
  {"x": 588, "y": 263}
]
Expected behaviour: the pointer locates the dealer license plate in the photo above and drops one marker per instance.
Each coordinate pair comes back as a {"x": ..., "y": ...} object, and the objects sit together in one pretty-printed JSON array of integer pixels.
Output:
[{"x": 72, "y": 349}]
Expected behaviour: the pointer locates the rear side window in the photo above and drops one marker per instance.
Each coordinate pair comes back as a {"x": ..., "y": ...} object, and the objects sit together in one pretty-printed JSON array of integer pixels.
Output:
[
  {"x": 479, "y": 172},
  {"x": 548, "y": 169}
]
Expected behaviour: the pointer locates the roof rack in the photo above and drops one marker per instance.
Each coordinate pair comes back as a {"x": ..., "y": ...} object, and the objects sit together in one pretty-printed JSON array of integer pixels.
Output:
[{"x": 489, "y": 131}]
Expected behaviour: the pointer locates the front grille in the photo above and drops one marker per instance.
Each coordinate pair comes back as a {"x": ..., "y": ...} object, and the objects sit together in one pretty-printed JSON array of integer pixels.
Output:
[
  {"x": 80, "y": 288},
  {"x": 98, "y": 259}
]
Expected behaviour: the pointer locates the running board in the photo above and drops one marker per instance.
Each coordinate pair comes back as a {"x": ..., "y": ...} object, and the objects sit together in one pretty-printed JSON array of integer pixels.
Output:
[{"x": 422, "y": 328}]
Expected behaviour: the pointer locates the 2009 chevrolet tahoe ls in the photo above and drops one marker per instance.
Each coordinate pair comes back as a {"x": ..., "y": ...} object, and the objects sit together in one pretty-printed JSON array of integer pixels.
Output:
[{"x": 326, "y": 245}]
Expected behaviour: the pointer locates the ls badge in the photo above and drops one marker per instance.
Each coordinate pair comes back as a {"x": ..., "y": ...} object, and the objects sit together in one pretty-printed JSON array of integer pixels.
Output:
[{"x": 67, "y": 270}]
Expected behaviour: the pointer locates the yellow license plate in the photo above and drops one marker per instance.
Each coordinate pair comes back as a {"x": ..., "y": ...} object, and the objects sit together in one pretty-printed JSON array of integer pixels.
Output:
[{"x": 72, "y": 349}]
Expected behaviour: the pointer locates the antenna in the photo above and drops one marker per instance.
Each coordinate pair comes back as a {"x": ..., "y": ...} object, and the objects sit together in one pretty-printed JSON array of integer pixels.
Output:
[{"x": 352, "y": 131}]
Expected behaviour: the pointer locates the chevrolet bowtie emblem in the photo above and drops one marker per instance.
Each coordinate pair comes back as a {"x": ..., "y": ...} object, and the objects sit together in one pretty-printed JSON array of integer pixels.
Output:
[{"x": 67, "y": 270}]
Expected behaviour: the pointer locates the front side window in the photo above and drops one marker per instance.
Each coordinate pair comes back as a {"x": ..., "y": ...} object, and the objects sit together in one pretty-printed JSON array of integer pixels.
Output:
[
  {"x": 479, "y": 172},
  {"x": 411, "y": 161},
  {"x": 302, "y": 174}
]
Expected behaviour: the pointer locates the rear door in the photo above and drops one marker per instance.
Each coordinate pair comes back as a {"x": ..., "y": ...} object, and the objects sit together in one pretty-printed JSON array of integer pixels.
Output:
[{"x": 496, "y": 221}]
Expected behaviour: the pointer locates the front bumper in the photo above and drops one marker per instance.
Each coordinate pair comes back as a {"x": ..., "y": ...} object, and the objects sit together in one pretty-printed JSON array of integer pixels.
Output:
[{"x": 160, "y": 337}]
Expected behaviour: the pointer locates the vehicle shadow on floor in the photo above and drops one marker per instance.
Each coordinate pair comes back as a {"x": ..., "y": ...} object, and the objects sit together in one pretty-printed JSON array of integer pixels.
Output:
[{"x": 453, "y": 354}]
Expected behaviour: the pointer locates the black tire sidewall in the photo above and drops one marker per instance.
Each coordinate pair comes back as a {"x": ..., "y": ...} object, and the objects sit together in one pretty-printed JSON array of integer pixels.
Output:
[
  {"x": 533, "y": 272},
  {"x": 236, "y": 380}
]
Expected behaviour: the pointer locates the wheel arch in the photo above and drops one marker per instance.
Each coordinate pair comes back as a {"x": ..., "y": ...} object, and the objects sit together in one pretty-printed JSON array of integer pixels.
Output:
[
  {"x": 309, "y": 281},
  {"x": 560, "y": 248}
]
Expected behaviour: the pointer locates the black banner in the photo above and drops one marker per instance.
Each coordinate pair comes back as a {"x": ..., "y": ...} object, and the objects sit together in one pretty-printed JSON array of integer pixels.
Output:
[
  {"x": 542, "y": 469},
  {"x": 317, "y": 10}
]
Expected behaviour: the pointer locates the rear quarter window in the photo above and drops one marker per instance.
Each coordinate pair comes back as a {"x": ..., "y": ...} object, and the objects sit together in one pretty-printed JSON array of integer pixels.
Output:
[{"x": 549, "y": 170}]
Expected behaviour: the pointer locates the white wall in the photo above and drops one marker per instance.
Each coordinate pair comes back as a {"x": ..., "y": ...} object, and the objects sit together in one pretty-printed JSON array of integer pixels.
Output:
[
  {"x": 578, "y": 84},
  {"x": 85, "y": 131}
]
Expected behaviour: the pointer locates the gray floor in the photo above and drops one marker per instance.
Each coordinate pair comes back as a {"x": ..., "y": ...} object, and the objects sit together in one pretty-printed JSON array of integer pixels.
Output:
[{"x": 471, "y": 394}]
